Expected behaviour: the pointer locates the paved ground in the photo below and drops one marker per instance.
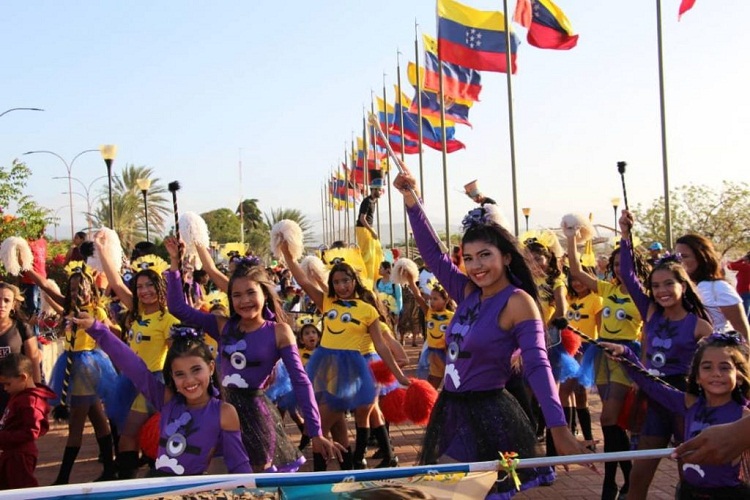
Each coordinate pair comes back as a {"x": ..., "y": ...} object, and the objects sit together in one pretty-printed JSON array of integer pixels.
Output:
[{"x": 578, "y": 483}]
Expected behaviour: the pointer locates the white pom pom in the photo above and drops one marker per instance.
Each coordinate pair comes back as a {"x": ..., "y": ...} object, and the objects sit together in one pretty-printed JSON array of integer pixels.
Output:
[
  {"x": 193, "y": 231},
  {"x": 289, "y": 231},
  {"x": 314, "y": 268},
  {"x": 495, "y": 214},
  {"x": 16, "y": 255},
  {"x": 582, "y": 226},
  {"x": 112, "y": 248},
  {"x": 405, "y": 271},
  {"x": 46, "y": 308}
]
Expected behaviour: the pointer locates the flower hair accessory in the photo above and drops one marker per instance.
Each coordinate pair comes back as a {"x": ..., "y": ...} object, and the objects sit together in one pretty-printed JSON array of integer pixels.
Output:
[
  {"x": 669, "y": 257},
  {"x": 185, "y": 333},
  {"x": 77, "y": 267},
  {"x": 247, "y": 261},
  {"x": 729, "y": 338},
  {"x": 153, "y": 262},
  {"x": 485, "y": 215}
]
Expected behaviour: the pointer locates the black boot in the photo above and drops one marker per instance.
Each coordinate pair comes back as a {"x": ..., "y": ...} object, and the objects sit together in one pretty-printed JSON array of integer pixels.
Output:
[
  {"x": 319, "y": 463},
  {"x": 303, "y": 442},
  {"x": 584, "y": 419},
  {"x": 626, "y": 465},
  {"x": 360, "y": 448},
  {"x": 609, "y": 486},
  {"x": 69, "y": 458},
  {"x": 384, "y": 442},
  {"x": 127, "y": 464},
  {"x": 346, "y": 460},
  {"x": 109, "y": 473}
]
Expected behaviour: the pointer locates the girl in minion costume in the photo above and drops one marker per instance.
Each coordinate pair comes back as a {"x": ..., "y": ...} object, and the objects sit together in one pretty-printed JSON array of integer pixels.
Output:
[
  {"x": 83, "y": 375},
  {"x": 147, "y": 331},
  {"x": 438, "y": 315},
  {"x": 341, "y": 377},
  {"x": 621, "y": 323}
]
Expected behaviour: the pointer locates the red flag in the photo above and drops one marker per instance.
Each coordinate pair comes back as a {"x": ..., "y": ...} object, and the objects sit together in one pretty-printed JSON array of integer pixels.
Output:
[
  {"x": 523, "y": 13},
  {"x": 685, "y": 6}
]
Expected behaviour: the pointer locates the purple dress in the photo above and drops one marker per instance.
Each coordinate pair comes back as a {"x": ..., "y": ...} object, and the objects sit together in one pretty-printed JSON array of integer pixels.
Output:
[
  {"x": 248, "y": 358},
  {"x": 670, "y": 346},
  {"x": 475, "y": 417},
  {"x": 698, "y": 481},
  {"x": 188, "y": 437}
]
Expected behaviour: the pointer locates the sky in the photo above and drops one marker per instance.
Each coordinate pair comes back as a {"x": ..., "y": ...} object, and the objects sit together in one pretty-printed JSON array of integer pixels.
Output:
[{"x": 193, "y": 89}]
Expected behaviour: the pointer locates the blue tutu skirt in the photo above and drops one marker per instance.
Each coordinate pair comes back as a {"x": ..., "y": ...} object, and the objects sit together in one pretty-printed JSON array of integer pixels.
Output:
[
  {"x": 92, "y": 377},
  {"x": 564, "y": 366},
  {"x": 281, "y": 391},
  {"x": 423, "y": 365},
  {"x": 341, "y": 379},
  {"x": 592, "y": 358},
  {"x": 372, "y": 357},
  {"x": 119, "y": 407}
]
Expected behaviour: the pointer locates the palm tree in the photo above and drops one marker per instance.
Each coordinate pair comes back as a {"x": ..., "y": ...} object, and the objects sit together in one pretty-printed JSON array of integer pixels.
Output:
[
  {"x": 127, "y": 206},
  {"x": 292, "y": 214},
  {"x": 253, "y": 217}
]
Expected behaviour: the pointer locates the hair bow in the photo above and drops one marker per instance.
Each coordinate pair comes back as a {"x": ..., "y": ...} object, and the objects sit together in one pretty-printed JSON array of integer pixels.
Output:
[
  {"x": 185, "y": 332},
  {"x": 731, "y": 338},
  {"x": 247, "y": 261},
  {"x": 174, "y": 425},
  {"x": 669, "y": 257},
  {"x": 475, "y": 217}
]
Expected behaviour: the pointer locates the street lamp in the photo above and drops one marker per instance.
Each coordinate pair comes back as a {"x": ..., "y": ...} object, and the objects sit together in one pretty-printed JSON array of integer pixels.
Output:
[
  {"x": 19, "y": 109},
  {"x": 615, "y": 204},
  {"x": 56, "y": 219},
  {"x": 69, "y": 168},
  {"x": 526, "y": 212},
  {"x": 144, "y": 185},
  {"x": 109, "y": 151},
  {"x": 87, "y": 190}
]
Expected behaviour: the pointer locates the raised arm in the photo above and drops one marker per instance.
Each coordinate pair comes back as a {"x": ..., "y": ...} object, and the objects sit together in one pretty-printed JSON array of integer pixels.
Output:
[
  {"x": 399, "y": 298},
  {"x": 418, "y": 297},
  {"x": 574, "y": 260},
  {"x": 53, "y": 294},
  {"x": 220, "y": 279},
  {"x": 209, "y": 323},
  {"x": 310, "y": 288},
  {"x": 112, "y": 271},
  {"x": 627, "y": 268}
]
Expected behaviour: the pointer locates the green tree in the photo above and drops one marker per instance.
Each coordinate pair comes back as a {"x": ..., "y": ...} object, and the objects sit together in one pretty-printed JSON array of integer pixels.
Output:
[
  {"x": 20, "y": 214},
  {"x": 223, "y": 225},
  {"x": 251, "y": 214},
  {"x": 721, "y": 215},
  {"x": 127, "y": 206}
]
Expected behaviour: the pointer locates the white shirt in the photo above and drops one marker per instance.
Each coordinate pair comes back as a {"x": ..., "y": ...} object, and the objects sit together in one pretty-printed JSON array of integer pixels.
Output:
[{"x": 716, "y": 294}]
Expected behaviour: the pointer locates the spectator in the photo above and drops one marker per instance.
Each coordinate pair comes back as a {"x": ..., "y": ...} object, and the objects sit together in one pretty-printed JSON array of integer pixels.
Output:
[
  {"x": 32, "y": 298},
  {"x": 742, "y": 267},
  {"x": 75, "y": 250},
  {"x": 654, "y": 251}
]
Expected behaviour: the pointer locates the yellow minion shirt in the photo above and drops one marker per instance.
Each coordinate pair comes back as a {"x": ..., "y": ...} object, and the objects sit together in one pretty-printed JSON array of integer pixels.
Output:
[
  {"x": 620, "y": 317},
  {"x": 345, "y": 323},
  {"x": 547, "y": 295},
  {"x": 437, "y": 324},
  {"x": 148, "y": 338},
  {"x": 367, "y": 347},
  {"x": 582, "y": 312},
  {"x": 78, "y": 340},
  {"x": 305, "y": 354}
]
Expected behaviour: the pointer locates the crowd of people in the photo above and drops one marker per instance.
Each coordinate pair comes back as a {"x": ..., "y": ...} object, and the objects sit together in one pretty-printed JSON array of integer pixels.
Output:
[{"x": 223, "y": 355}]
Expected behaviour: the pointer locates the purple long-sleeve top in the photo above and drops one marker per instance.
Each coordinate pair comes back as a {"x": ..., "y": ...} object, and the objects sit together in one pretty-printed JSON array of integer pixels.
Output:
[
  {"x": 248, "y": 357},
  {"x": 670, "y": 345},
  {"x": 188, "y": 436},
  {"x": 479, "y": 351},
  {"x": 697, "y": 417}
]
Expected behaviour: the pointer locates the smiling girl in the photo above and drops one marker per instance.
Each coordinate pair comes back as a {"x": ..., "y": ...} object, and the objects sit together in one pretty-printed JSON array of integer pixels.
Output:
[{"x": 675, "y": 321}]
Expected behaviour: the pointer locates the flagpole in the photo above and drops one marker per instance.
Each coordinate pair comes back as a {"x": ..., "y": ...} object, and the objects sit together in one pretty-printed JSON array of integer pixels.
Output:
[
  {"x": 323, "y": 211},
  {"x": 388, "y": 166},
  {"x": 662, "y": 110},
  {"x": 346, "y": 196},
  {"x": 508, "y": 75},
  {"x": 444, "y": 151},
  {"x": 355, "y": 208},
  {"x": 419, "y": 110},
  {"x": 403, "y": 141},
  {"x": 333, "y": 214},
  {"x": 365, "y": 169},
  {"x": 341, "y": 225},
  {"x": 374, "y": 159}
]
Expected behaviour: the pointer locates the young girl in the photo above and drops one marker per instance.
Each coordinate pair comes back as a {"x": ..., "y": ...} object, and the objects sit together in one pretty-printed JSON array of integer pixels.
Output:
[
  {"x": 82, "y": 374},
  {"x": 674, "y": 322},
  {"x": 194, "y": 422},
  {"x": 309, "y": 337},
  {"x": 621, "y": 322},
  {"x": 717, "y": 391},
  {"x": 438, "y": 315},
  {"x": 339, "y": 373},
  {"x": 250, "y": 343},
  {"x": 474, "y": 416}
]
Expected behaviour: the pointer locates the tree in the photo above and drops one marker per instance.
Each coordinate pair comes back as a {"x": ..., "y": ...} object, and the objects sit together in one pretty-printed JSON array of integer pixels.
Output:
[
  {"x": 279, "y": 214},
  {"x": 252, "y": 216},
  {"x": 127, "y": 206},
  {"x": 223, "y": 225},
  {"x": 722, "y": 216},
  {"x": 20, "y": 215}
]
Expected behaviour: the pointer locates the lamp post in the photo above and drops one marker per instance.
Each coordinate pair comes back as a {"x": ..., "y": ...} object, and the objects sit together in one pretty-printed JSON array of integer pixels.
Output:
[
  {"x": 19, "y": 109},
  {"x": 526, "y": 212},
  {"x": 87, "y": 190},
  {"x": 109, "y": 151},
  {"x": 57, "y": 219},
  {"x": 615, "y": 204},
  {"x": 69, "y": 168},
  {"x": 144, "y": 185}
]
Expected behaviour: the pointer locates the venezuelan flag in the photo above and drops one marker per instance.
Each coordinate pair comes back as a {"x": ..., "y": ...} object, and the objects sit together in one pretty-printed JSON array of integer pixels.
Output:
[
  {"x": 432, "y": 136},
  {"x": 550, "y": 27},
  {"x": 387, "y": 117},
  {"x": 456, "y": 110},
  {"x": 474, "y": 38},
  {"x": 458, "y": 82}
]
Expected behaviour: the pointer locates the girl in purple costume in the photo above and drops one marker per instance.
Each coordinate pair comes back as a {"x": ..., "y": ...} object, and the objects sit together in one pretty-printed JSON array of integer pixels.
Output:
[
  {"x": 474, "y": 417},
  {"x": 717, "y": 391},
  {"x": 251, "y": 343},
  {"x": 675, "y": 320},
  {"x": 194, "y": 422}
]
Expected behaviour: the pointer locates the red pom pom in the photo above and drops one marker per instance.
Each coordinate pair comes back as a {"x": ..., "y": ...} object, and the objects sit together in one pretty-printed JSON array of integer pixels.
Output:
[
  {"x": 382, "y": 373},
  {"x": 148, "y": 438},
  {"x": 570, "y": 341},
  {"x": 392, "y": 406},
  {"x": 420, "y": 398}
]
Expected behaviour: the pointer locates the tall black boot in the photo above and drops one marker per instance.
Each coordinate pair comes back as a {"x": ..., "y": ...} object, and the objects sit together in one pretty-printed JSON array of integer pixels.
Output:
[
  {"x": 69, "y": 458},
  {"x": 626, "y": 465},
  {"x": 319, "y": 463},
  {"x": 127, "y": 464},
  {"x": 346, "y": 460},
  {"x": 363, "y": 435},
  {"x": 384, "y": 442},
  {"x": 584, "y": 419},
  {"x": 109, "y": 472},
  {"x": 611, "y": 443},
  {"x": 570, "y": 411},
  {"x": 550, "y": 443}
]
